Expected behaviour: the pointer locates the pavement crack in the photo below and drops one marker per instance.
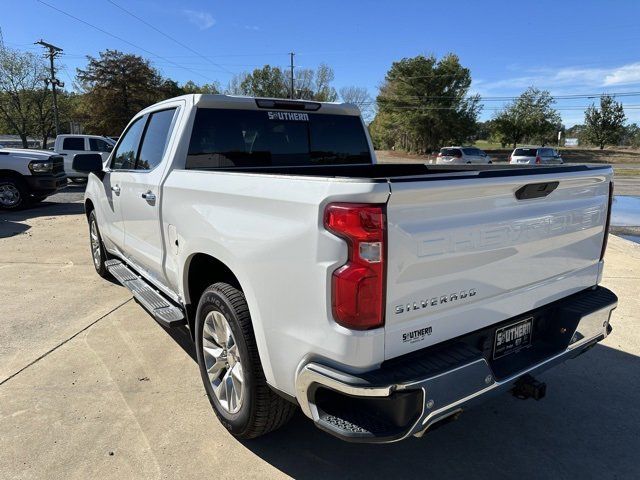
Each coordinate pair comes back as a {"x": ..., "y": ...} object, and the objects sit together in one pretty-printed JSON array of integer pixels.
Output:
[{"x": 53, "y": 349}]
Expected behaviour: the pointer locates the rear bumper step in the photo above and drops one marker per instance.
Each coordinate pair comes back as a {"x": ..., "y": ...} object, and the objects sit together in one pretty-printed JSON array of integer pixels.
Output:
[
  {"x": 163, "y": 310},
  {"x": 409, "y": 395}
]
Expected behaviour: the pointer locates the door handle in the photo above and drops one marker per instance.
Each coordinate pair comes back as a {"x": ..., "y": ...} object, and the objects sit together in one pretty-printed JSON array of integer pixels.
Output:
[
  {"x": 149, "y": 196},
  {"x": 116, "y": 189}
]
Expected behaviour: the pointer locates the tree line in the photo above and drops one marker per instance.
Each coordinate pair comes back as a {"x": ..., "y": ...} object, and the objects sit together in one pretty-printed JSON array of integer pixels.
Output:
[{"x": 423, "y": 103}]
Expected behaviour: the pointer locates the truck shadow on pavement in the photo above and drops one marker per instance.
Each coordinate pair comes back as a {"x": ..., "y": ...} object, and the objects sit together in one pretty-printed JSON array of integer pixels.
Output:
[
  {"x": 586, "y": 427},
  {"x": 10, "y": 220}
]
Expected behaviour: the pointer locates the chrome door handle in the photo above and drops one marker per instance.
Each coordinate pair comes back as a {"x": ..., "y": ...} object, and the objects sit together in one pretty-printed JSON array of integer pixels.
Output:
[
  {"x": 149, "y": 196},
  {"x": 115, "y": 189}
]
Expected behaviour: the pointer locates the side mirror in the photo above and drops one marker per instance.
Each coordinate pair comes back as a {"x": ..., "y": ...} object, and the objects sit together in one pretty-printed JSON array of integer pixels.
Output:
[{"x": 87, "y": 162}]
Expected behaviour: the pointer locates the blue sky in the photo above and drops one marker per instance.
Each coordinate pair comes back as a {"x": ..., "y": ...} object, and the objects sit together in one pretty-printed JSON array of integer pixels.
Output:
[{"x": 567, "y": 47}]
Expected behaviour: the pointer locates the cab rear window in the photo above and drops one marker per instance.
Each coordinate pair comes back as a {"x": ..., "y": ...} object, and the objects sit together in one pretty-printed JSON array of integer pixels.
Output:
[
  {"x": 525, "y": 152},
  {"x": 226, "y": 138},
  {"x": 450, "y": 152}
]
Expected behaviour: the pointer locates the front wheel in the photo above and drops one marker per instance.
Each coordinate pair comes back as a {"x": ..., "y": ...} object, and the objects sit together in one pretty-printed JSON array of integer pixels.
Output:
[
  {"x": 230, "y": 366},
  {"x": 13, "y": 193},
  {"x": 98, "y": 252}
]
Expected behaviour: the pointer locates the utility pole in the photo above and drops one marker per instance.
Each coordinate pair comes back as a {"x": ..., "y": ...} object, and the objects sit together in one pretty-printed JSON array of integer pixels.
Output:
[
  {"x": 291, "y": 54},
  {"x": 53, "y": 52}
]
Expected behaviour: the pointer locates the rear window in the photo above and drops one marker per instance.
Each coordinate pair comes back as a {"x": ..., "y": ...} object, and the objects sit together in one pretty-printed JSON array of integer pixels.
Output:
[
  {"x": 249, "y": 138},
  {"x": 73, "y": 143},
  {"x": 450, "y": 152},
  {"x": 525, "y": 152}
]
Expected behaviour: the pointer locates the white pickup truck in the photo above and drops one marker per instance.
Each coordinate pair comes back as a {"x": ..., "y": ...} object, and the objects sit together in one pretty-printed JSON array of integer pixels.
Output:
[
  {"x": 28, "y": 176},
  {"x": 380, "y": 299}
]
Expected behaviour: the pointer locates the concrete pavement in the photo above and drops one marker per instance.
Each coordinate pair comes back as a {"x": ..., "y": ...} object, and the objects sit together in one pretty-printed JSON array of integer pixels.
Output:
[{"x": 92, "y": 387}]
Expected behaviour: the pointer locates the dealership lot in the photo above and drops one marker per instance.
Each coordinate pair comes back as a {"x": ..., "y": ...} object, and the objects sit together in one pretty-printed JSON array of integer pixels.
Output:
[{"x": 92, "y": 387}]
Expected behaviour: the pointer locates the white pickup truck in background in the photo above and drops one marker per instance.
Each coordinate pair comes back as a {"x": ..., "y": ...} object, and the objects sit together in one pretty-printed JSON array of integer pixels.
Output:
[
  {"x": 69, "y": 145},
  {"x": 380, "y": 299},
  {"x": 28, "y": 176}
]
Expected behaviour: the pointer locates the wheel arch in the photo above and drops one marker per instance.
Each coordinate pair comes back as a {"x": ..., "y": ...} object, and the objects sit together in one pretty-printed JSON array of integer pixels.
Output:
[
  {"x": 5, "y": 173},
  {"x": 203, "y": 269},
  {"x": 200, "y": 271},
  {"x": 88, "y": 207}
]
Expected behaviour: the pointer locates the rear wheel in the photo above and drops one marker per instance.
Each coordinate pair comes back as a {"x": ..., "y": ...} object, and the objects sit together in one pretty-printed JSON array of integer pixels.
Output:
[
  {"x": 230, "y": 366},
  {"x": 13, "y": 193}
]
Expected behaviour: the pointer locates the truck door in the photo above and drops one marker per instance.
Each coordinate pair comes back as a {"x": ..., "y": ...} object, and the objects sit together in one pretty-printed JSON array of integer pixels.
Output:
[
  {"x": 141, "y": 196},
  {"x": 109, "y": 210}
]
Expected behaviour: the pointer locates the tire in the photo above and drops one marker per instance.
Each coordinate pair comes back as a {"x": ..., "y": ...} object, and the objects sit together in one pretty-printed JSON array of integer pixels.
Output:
[
  {"x": 98, "y": 252},
  {"x": 256, "y": 410},
  {"x": 14, "y": 194}
]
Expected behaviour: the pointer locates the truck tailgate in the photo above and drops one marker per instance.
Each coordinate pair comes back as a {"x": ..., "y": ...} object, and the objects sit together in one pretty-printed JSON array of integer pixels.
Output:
[{"x": 465, "y": 253}]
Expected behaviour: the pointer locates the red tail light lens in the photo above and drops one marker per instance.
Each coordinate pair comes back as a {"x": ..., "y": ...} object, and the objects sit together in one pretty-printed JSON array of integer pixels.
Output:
[
  {"x": 357, "y": 287},
  {"x": 607, "y": 223},
  {"x": 538, "y": 160}
]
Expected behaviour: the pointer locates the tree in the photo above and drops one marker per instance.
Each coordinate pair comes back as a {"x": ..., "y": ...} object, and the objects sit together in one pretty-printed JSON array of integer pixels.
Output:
[
  {"x": 117, "y": 86},
  {"x": 531, "y": 116},
  {"x": 267, "y": 81},
  {"x": 192, "y": 87},
  {"x": 22, "y": 91},
  {"x": 358, "y": 96},
  {"x": 605, "y": 126},
  {"x": 425, "y": 103},
  {"x": 273, "y": 82}
]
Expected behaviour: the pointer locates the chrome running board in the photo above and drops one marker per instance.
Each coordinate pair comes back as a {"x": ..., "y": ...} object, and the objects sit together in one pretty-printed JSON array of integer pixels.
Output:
[{"x": 163, "y": 310}]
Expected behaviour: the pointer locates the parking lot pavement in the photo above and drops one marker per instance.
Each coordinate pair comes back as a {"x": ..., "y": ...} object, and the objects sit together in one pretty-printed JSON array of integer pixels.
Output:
[{"x": 92, "y": 387}]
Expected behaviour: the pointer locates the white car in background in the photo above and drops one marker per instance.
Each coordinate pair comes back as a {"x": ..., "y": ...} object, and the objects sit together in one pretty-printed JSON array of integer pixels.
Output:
[
  {"x": 462, "y": 155},
  {"x": 535, "y": 156},
  {"x": 70, "y": 145}
]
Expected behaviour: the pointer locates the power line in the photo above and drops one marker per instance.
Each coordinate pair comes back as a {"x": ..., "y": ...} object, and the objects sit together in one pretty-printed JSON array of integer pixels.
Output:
[
  {"x": 121, "y": 39},
  {"x": 178, "y": 42}
]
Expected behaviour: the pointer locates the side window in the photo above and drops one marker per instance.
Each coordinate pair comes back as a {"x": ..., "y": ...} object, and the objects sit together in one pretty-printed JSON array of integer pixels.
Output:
[
  {"x": 73, "y": 143},
  {"x": 124, "y": 158},
  {"x": 156, "y": 137},
  {"x": 97, "y": 145}
]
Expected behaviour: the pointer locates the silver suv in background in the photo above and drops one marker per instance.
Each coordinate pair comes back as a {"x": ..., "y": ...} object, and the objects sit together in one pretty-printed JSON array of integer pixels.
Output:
[
  {"x": 535, "y": 156},
  {"x": 462, "y": 155}
]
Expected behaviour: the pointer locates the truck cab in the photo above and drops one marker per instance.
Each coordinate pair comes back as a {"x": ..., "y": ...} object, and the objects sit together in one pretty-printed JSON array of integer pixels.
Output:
[{"x": 69, "y": 145}]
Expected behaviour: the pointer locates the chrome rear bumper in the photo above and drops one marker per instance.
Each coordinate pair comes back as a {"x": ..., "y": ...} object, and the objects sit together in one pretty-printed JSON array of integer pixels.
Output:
[{"x": 452, "y": 379}]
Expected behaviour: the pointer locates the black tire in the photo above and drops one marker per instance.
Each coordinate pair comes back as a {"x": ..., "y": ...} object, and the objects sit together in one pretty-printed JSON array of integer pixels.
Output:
[
  {"x": 17, "y": 188},
  {"x": 261, "y": 410},
  {"x": 99, "y": 264}
]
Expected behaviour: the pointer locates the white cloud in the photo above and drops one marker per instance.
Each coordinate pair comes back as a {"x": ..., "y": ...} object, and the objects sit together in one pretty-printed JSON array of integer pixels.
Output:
[
  {"x": 202, "y": 20},
  {"x": 624, "y": 75},
  {"x": 564, "y": 78}
]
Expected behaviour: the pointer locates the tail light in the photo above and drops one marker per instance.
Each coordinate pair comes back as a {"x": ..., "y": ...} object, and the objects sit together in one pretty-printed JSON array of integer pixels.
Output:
[
  {"x": 538, "y": 160},
  {"x": 357, "y": 287},
  {"x": 607, "y": 222}
]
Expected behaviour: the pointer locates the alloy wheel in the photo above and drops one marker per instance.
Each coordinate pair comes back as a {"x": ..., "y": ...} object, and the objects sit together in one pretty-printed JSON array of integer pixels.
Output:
[
  {"x": 9, "y": 195},
  {"x": 222, "y": 361}
]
